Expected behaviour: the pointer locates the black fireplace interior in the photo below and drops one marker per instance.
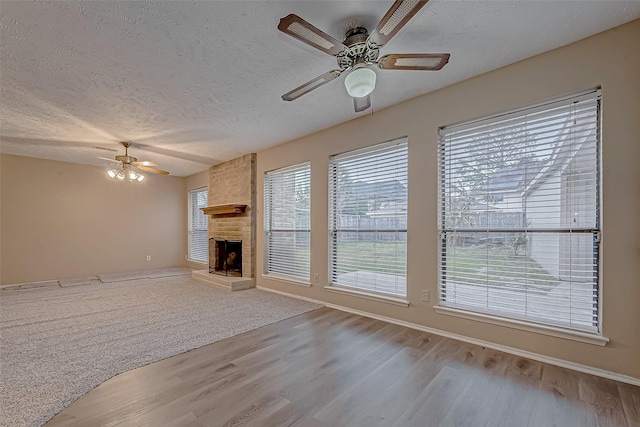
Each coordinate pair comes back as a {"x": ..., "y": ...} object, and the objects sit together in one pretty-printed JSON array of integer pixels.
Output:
[{"x": 225, "y": 257}]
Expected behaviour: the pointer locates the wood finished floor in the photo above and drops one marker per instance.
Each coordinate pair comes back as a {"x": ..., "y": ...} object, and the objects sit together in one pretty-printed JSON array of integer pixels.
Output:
[{"x": 331, "y": 368}]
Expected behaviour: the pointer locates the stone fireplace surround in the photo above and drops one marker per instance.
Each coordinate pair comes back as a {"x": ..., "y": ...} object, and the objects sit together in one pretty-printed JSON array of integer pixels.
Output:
[{"x": 232, "y": 216}]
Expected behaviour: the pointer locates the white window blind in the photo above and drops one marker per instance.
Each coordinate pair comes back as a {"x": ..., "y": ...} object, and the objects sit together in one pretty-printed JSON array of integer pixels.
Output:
[
  {"x": 519, "y": 214},
  {"x": 368, "y": 218},
  {"x": 198, "y": 246},
  {"x": 287, "y": 201}
]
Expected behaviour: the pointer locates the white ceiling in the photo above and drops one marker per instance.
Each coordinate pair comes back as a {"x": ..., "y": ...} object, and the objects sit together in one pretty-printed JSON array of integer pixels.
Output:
[{"x": 196, "y": 83}]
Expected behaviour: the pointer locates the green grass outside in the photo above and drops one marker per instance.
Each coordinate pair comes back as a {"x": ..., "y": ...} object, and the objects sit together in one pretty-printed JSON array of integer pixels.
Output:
[
  {"x": 495, "y": 266},
  {"x": 380, "y": 257},
  {"x": 480, "y": 265}
]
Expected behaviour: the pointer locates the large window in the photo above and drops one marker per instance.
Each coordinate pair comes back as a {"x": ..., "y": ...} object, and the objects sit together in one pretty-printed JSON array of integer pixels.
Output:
[
  {"x": 368, "y": 219},
  {"x": 520, "y": 214},
  {"x": 198, "y": 242},
  {"x": 287, "y": 202}
]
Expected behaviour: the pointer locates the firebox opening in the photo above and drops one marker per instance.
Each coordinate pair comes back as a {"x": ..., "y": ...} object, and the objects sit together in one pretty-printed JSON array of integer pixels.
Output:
[{"x": 225, "y": 257}]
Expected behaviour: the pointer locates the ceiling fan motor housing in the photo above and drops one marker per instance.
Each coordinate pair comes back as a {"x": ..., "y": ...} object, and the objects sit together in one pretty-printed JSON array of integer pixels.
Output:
[
  {"x": 127, "y": 160},
  {"x": 358, "y": 50}
]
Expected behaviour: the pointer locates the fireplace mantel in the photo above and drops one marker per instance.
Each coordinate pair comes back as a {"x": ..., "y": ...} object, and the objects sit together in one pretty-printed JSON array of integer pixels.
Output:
[{"x": 224, "y": 209}]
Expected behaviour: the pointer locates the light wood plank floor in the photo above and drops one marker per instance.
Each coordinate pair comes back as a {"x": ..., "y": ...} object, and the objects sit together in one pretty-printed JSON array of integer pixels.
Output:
[{"x": 330, "y": 368}]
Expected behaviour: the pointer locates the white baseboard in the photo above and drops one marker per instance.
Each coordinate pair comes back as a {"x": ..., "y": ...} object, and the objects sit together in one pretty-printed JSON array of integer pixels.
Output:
[
  {"x": 287, "y": 294},
  {"x": 515, "y": 351}
]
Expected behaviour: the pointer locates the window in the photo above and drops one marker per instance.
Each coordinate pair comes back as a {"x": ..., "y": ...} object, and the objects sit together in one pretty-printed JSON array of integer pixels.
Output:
[
  {"x": 287, "y": 202},
  {"x": 368, "y": 219},
  {"x": 520, "y": 214},
  {"x": 198, "y": 239}
]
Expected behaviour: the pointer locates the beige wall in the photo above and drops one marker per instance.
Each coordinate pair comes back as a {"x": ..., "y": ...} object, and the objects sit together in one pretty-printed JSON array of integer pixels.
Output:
[
  {"x": 610, "y": 60},
  {"x": 194, "y": 182},
  {"x": 62, "y": 220}
]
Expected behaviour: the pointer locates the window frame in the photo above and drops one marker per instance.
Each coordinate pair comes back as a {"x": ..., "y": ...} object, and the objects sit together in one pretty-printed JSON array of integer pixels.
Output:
[
  {"x": 268, "y": 228},
  {"x": 402, "y": 144},
  {"x": 190, "y": 230},
  {"x": 524, "y": 322}
]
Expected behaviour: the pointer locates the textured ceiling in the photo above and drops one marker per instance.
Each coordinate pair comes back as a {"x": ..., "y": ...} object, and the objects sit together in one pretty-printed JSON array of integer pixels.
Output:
[{"x": 196, "y": 83}]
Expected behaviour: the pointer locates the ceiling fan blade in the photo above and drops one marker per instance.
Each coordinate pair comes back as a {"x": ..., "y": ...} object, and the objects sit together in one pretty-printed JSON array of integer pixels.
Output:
[
  {"x": 361, "y": 104},
  {"x": 110, "y": 160},
  {"x": 414, "y": 61},
  {"x": 311, "y": 85},
  {"x": 152, "y": 170},
  {"x": 146, "y": 163},
  {"x": 300, "y": 29},
  {"x": 396, "y": 17}
]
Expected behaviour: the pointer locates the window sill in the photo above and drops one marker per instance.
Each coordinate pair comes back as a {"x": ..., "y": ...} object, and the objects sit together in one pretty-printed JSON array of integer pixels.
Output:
[
  {"x": 524, "y": 325},
  {"x": 285, "y": 279},
  {"x": 368, "y": 295},
  {"x": 195, "y": 261}
]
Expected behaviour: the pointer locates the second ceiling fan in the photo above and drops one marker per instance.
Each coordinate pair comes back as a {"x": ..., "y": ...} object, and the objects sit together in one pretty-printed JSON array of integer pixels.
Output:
[
  {"x": 359, "y": 52},
  {"x": 129, "y": 164}
]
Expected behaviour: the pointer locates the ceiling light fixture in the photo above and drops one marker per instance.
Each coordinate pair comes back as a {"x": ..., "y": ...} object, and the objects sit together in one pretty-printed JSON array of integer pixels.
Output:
[
  {"x": 125, "y": 172},
  {"x": 360, "y": 82}
]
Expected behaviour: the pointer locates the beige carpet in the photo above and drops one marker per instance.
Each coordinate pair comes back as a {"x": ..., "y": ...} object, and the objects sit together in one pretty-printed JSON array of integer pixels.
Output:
[{"x": 57, "y": 343}]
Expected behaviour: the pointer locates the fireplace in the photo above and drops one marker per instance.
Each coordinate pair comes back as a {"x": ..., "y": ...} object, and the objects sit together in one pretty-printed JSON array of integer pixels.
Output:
[{"x": 225, "y": 257}]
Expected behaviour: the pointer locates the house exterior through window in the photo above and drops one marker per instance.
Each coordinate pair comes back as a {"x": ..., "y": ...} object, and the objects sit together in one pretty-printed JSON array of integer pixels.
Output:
[{"x": 519, "y": 214}]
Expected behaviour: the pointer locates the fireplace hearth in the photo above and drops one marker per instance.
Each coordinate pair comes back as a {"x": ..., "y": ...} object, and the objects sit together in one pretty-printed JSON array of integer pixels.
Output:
[{"x": 225, "y": 257}]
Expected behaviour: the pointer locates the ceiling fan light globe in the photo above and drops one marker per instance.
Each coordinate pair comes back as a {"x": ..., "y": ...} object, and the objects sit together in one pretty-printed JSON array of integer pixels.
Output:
[
  {"x": 133, "y": 175},
  {"x": 140, "y": 177},
  {"x": 360, "y": 82},
  {"x": 120, "y": 175},
  {"x": 112, "y": 173}
]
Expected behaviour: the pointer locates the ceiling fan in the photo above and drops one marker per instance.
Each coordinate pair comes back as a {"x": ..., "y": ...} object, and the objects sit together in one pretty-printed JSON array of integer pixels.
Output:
[
  {"x": 129, "y": 166},
  {"x": 359, "y": 52}
]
